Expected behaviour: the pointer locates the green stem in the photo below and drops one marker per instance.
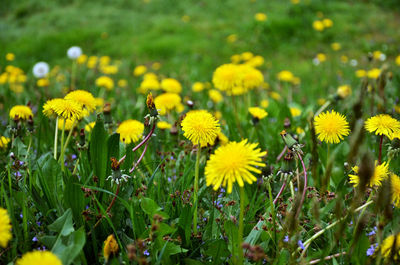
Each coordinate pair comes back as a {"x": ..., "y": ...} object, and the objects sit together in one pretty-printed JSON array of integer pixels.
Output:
[
  {"x": 68, "y": 138},
  {"x": 61, "y": 160},
  {"x": 240, "y": 233},
  {"x": 272, "y": 205},
  {"x": 196, "y": 187},
  {"x": 55, "y": 140},
  {"x": 322, "y": 108}
]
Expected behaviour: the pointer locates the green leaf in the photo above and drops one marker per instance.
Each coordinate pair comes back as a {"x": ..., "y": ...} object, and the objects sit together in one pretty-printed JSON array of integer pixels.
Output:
[
  {"x": 99, "y": 150},
  {"x": 232, "y": 231},
  {"x": 73, "y": 246},
  {"x": 218, "y": 250},
  {"x": 63, "y": 224},
  {"x": 150, "y": 207}
]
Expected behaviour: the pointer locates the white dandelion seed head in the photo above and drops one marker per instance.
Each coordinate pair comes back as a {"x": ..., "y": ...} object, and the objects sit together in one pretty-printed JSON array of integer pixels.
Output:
[
  {"x": 382, "y": 57},
  {"x": 353, "y": 62},
  {"x": 74, "y": 52},
  {"x": 316, "y": 61},
  {"x": 40, "y": 69}
]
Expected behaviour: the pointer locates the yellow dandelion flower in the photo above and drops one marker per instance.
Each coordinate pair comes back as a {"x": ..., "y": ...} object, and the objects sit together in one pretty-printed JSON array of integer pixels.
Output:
[
  {"x": 321, "y": 101},
  {"x": 92, "y": 62},
  {"x": 374, "y": 73},
  {"x": 295, "y": 2},
  {"x": 394, "y": 135},
  {"x": 397, "y": 60},
  {"x": 318, "y": 25},
  {"x": 99, "y": 104},
  {"x": 122, "y": 83},
  {"x": 232, "y": 38},
  {"x": 38, "y": 257},
  {"x": 23, "y": 112},
  {"x": 260, "y": 17},
  {"x": 89, "y": 127},
  {"x": 235, "y": 161},
  {"x": 390, "y": 248},
  {"x": 299, "y": 130},
  {"x": 395, "y": 181},
  {"x": 64, "y": 108},
  {"x": 344, "y": 91},
  {"x": 69, "y": 124},
  {"x": 264, "y": 103},
  {"x": 296, "y": 81},
  {"x": 215, "y": 95},
  {"x": 275, "y": 95},
  {"x": 171, "y": 85},
  {"x": 327, "y": 22},
  {"x": 336, "y": 46},
  {"x": 380, "y": 173},
  {"x": 167, "y": 102},
  {"x": 256, "y": 61},
  {"x": 130, "y": 131},
  {"x": 197, "y": 87},
  {"x": 109, "y": 69},
  {"x": 344, "y": 59},
  {"x": 163, "y": 125},
  {"x": 149, "y": 84},
  {"x": 237, "y": 90},
  {"x": 218, "y": 114},
  {"x": 250, "y": 77},
  {"x": 105, "y": 81},
  {"x": 321, "y": 57},
  {"x": 150, "y": 75},
  {"x": 5, "y": 228},
  {"x": 43, "y": 82},
  {"x": 247, "y": 56},
  {"x": 382, "y": 124},
  {"x": 156, "y": 66},
  {"x": 236, "y": 58},
  {"x": 285, "y": 76},
  {"x": 331, "y": 127},
  {"x": 139, "y": 70},
  {"x": 82, "y": 59},
  {"x": 84, "y": 98},
  {"x": 258, "y": 113},
  {"x": 221, "y": 139},
  {"x": 376, "y": 55},
  {"x": 361, "y": 73},
  {"x": 185, "y": 18},
  {"x": 295, "y": 112},
  {"x": 4, "y": 141},
  {"x": 225, "y": 77},
  {"x": 110, "y": 247},
  {"x": 200, "y": 127},
  {"x": 10, "y": 57}
]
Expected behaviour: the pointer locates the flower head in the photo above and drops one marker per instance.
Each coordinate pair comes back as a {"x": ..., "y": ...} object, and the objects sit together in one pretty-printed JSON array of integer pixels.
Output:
[
  {"x": 225, "y": 77},
  {"x": 382, "y": 124},
  {"x": 380, "y": 173},
  {"x": 74, "y": 52},
  {"x": 171, "y": 85},
  {"x": 130, "y": 131},
  {"x": 331, "y": 126},
  {"x": 395, "y": 181},
  {"x": 200, "y": 127},
  {"x": 198, "y": 87},
  {"x": 167, "y": 102},
  {"x": 40, "y": 69},
  {"x": 390, "y": 248},
  {"x": 163, "y": 125},
  {"x": 84, "y": 98},
  {"x": 110, "y": 247},
  {"x": 295, "y": 111},
  {"x": 38, "y": 257},
  {"x": 260, "y": 17},
  {"x": 23, "y": 112},
  {"x": 258, "y": 113},
  {"x": 139, "y": 70},
  {"x": 344, "y": 91},
  {"x": 67, "y": 124},
  {"x": 64, "y": 108},
  {"x": 235, "y": 161},
  {"x": 90, "y": 126},
  {"x": 105, "y": 81},
  {"x": 215, "y": 95},
  {"x": 285, "y": 76},
  {"x": 4, "y": 142},
  {"x": 5, "y": 228}
]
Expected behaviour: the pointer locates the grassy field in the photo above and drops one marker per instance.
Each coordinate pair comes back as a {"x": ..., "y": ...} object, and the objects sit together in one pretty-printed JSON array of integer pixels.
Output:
[{"x": 315, "y": 188}]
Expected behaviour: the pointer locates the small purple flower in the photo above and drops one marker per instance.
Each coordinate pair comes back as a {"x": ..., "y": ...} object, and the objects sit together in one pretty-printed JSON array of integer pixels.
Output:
[
  {"x": 73, "y": 156},
  {"x": 87, "y": 207},
  {"x": 34, "y": 239},
  {"x": 373, "y": 232},
  {"x": 18, "y": 174},
  {"x": 286, "y": 239},
  {"x": 301, "y": 245},
  {"x": 146, "y": 252},
  {"x": 295, "y": 189},
  {"x": 169, "y": 180},
  {"x": 21, "y": 215},
  {"x": 38, "y": 223},
  {"x": 65, "y": 164},
  {"x": 371, "y": 249}
]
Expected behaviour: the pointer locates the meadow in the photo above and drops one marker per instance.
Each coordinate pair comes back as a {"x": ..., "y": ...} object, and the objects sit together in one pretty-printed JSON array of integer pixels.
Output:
[{"x": 199, "y": 132}]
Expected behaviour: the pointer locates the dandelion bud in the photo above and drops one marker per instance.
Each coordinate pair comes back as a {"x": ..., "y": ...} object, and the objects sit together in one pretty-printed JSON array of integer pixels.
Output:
[
  {"x": 110, "y": 247},
  {"x": 288, "y": 139},
  {"x": 151, "y": 106},
  {"x": 82, "y": 140},
  {"x": 107, "y": 113},
  {"x": 30, "y": 123}
]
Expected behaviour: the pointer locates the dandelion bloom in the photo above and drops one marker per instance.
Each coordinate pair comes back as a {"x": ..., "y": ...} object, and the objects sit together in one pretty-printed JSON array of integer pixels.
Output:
[
  {"x": 295, "y": 112},
  {"x": 331, "y": 127},
  {"x": 149, "y": 84},
  {"x": 374, "y": 73},
  {"x": 139, "y": 70},
  {"x": 258, "y": 113},
  {"x": 225, "y": 77},
  {"x": 397, "y": 60},
  {"x": 327, "y": 22},
  {"x": 250, "y": 77},
  {"x": 43, "y": 82},
  {"x": 167, "y": 102},
  {"x": 197, "y": 87},
  {"x": 10, "y": 56},
  {"x": 64, "y": 108},
  {"x": 38, "y": 257},
  {"x": 382, "y": 124},
  {"x": 285, "y": 76},
  {"x": 110, "y": 247},
  {"x": 344, "y": 91},
  {"x": 200, "y": 127},
  {"x": 260, "y": 17},
  {"x": 264, "y": 103},
  {"x": 130, "y": 131},
  {"x": 5, "y": 228},
  {"x": 4, "y": 142},
  {"x": 23, "y": 112},
  {"x": 361, "y": 73},
  {"x": 235, "y": 161},
  {"x": 215, "y": 95},
  {"x": 67, "y": 124},
  {"x": 336, "y": 46},
  {"x": 163, "y": 125},
  {"x": 395, "y": 182},
  {"x": 105, "y": 81},
  {"x": 318, "y": 25},
  {"x": 89, "y": 127},
  {"x": 380, "y": 173},
  {"x": 84, "y": 98},
  {"x": 390, "y": 248},
  {"x": 171, "y": 85}
]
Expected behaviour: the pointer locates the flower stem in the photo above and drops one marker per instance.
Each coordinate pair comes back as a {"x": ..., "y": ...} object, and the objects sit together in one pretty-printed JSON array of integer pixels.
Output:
[
  {"x": 322, "y": 108},
  {"x": 280, "y": 192},
  {"x": 55, "y": 140},
  {"x": 240, "y": 233},
  {"x": 305, "y": 185},
  {"x": 380, "y": 150},
  {"x": 61, "y": 159},
  {"x": 196, "y": 187}
]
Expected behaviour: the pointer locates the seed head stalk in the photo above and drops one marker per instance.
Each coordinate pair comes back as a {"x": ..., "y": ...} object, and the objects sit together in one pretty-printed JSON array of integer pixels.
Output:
[{"x": 196, "y": 188}]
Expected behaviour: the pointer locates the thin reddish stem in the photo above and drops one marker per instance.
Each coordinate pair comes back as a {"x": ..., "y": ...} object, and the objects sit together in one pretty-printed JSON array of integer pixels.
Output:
[
  {"x": 140, "y": 158},
  {"x": 280, "y": 192},
  {"x": 380, "y": 149}
]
